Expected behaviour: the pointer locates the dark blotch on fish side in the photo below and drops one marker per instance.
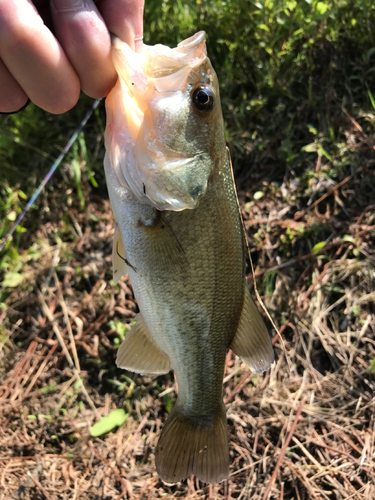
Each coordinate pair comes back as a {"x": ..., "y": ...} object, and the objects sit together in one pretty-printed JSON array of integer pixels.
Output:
[{"x": 197, "y": 191}]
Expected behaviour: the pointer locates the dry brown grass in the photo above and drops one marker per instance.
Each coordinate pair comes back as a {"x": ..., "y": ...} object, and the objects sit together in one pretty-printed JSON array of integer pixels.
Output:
[{"x": 302, "y": 430}]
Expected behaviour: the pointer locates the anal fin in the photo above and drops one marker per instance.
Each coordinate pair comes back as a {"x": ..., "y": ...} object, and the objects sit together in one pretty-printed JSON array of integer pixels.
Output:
[
  {"x": 118, "y": 256},
  {"x": 252, "y": 342},
  {"x": 139, "y": 352}
]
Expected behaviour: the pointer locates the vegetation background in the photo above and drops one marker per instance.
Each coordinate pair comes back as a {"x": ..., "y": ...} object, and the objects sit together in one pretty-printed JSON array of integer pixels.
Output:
[{"x": 298, "y": 96}]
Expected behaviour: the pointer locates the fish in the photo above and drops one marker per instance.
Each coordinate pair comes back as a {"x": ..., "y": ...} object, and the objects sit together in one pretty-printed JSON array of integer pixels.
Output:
[{"x": 180, "y": 238}]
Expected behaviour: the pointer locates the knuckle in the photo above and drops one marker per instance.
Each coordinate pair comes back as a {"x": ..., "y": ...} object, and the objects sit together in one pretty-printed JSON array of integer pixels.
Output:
[{"x": 100, "y": 89}]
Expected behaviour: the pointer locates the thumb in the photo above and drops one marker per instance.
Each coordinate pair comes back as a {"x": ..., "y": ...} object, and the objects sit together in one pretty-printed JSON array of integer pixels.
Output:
[{"x": 124, "y": 18}]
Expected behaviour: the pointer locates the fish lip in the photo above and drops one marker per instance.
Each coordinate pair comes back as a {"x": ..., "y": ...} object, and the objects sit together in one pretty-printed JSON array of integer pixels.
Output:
[
  {"x": 192, "y": 41},
  {"x": 187, "y": 55},
  {"x": 149, "y": 67}
]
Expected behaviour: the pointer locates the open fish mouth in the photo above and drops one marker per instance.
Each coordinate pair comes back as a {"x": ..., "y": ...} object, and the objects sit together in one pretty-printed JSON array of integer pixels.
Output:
[
  {"x": 157, "y": 61},
  {"x": 152, "y": 99},
  {"x": 164, "y": 61}
]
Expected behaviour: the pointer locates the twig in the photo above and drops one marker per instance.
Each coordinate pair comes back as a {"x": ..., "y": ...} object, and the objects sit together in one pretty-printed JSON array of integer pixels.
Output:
[
  {"x": 296, "y": 260},
  {"x": 302, "y": 300},
  {"x": 278, "y": 222},
  {"x": 307, "y": 453},
  {"x": 67, "y": 355},
  {"x": 359, "y": 128},
  {"x": 300, "y": 214},
  {"x": 244, "y": 380},
  {"x": 107, "y": 463},
  {"x": 38, "y": 485},
  {"x": 331, "y": 448},
  {"x": 297, "y": 469},
  {"x": 36, "y": 458},
  {"x": 98, "y": 454},
  {"x": 69, "y": 326},
  {"x": 283, "y": 450}
]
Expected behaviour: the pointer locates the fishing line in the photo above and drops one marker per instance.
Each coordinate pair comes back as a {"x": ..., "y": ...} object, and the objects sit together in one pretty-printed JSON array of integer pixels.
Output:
[
  {"x": 50, "y": 173},
  {"x": 252, "y": 266}
]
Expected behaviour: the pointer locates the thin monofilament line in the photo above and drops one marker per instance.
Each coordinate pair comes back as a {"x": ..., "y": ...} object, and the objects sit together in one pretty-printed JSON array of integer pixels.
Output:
[{"x": 50, "y": 173}]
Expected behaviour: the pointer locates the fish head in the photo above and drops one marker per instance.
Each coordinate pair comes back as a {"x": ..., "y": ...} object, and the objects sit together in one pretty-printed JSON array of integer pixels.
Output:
[{"x": 164, "y": 122}]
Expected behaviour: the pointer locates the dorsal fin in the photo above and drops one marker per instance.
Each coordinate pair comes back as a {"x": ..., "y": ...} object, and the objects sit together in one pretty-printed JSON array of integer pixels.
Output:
[{"x": 252, "y": 342}]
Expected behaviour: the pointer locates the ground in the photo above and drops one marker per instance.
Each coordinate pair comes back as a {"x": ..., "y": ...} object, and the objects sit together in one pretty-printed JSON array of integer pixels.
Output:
[{"x": 303, "y": 429}]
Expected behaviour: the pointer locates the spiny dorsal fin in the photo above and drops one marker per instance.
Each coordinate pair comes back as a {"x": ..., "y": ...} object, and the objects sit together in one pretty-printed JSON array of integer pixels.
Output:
[
  {"x": 252, "y": 342},
  {"x": 139, "y": 352},
  {"x": 118, "y": 256}
]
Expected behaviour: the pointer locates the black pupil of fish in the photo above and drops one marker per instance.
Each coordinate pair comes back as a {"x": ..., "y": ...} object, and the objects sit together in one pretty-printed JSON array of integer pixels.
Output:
[{"x": 203, "y": 99}]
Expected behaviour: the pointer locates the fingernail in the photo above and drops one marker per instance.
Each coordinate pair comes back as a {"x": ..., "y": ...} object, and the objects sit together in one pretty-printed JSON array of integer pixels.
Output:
[
  {"x": 128, "y": 35},
  {"x": 18, "y": 110},
  {"x": 138, "y": 43}
]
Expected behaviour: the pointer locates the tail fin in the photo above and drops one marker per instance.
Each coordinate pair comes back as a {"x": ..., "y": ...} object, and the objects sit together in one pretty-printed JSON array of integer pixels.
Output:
[{"x": 193, "y": 445}]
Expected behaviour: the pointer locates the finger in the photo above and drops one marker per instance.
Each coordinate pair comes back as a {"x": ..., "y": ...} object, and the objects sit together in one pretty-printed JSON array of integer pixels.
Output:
[
  {"x": 124, "y": 18},
  {"x": 12, "y": 97},
  {"x": 44, "y": 10},
  {"x": 35, "y": 59},
  {"x": 82, "y": 33}
]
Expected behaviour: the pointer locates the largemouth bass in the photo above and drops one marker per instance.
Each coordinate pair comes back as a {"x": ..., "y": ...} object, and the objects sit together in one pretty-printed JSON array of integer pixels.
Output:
[{"x": 179, "y": 236}]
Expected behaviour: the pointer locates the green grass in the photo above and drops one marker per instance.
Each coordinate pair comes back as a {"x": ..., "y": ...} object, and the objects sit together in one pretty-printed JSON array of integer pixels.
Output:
[{"x": 287, "y": 70}]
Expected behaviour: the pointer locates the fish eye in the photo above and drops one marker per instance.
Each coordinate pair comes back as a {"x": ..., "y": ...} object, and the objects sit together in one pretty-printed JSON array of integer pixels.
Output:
[{"x": 203, "y": 98}]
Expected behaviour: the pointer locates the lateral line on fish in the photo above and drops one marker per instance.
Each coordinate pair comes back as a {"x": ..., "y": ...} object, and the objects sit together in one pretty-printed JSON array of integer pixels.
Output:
[
  {"x": 51, "y": 171},
  {"x": 251, "y": 262}
]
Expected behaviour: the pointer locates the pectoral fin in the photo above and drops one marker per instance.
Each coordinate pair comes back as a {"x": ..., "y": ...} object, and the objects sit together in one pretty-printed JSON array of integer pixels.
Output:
[
  {"x": 252, "y": 342},
  {"x": 163, "y": 244},
  {"x": 118, "y": 256},
  {"x": 139, "y": 352}
]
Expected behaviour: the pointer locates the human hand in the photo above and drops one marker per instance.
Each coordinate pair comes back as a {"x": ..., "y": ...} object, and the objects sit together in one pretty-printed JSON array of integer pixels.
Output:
[{"x": 50, "y": 50}]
